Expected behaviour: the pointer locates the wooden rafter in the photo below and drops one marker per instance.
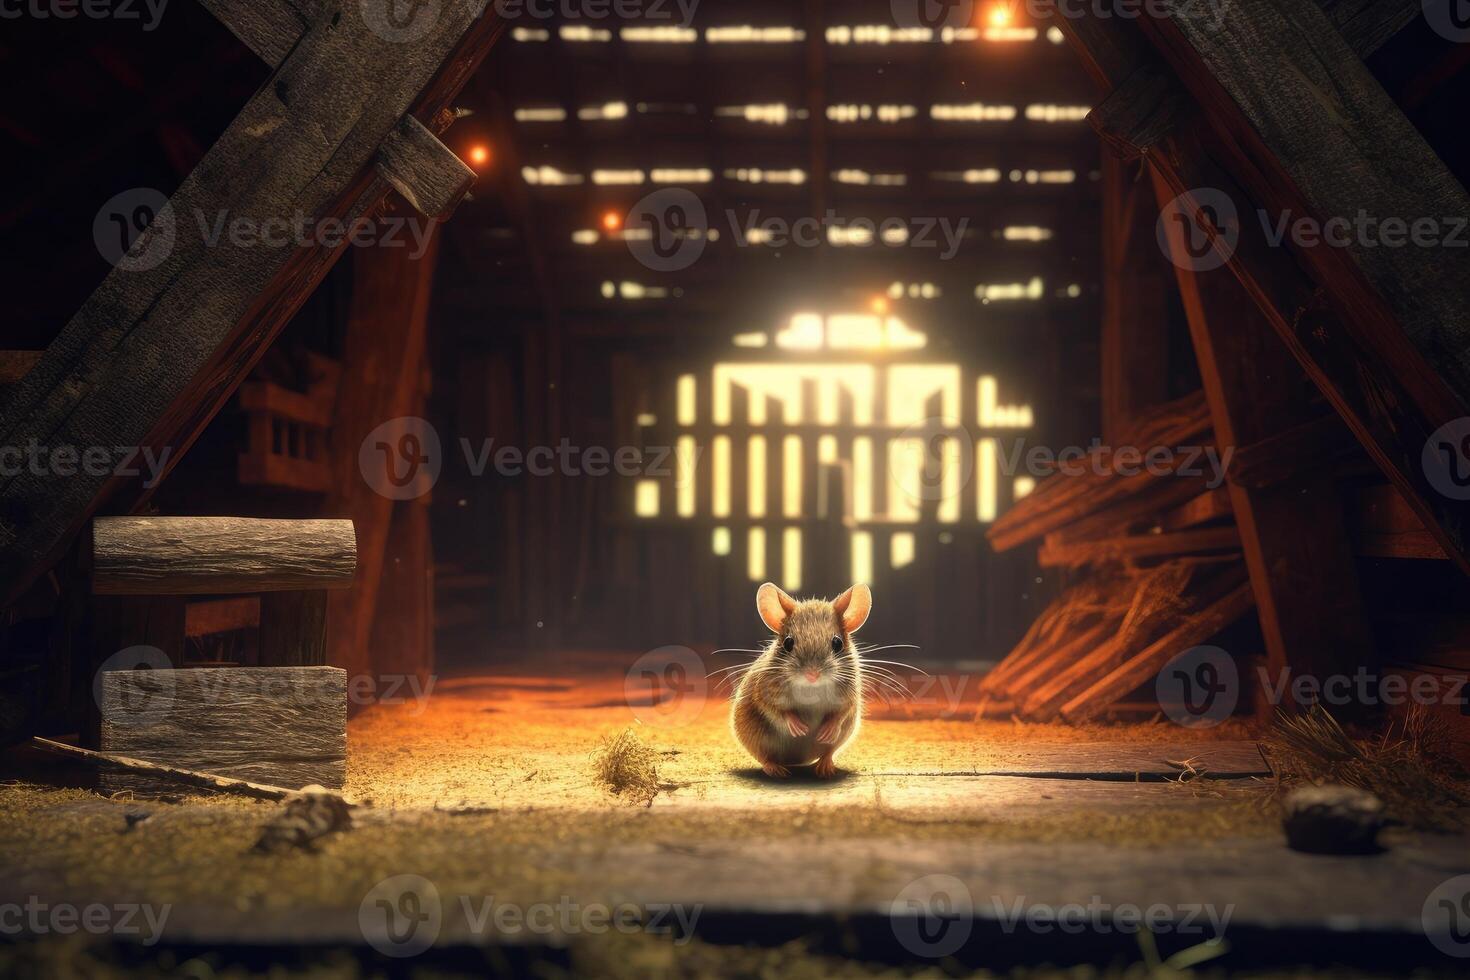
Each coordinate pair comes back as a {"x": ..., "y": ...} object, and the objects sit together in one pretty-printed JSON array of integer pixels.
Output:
[
  {"x": 160, "y": 346},
  {"x": 1393, "y": 384}
]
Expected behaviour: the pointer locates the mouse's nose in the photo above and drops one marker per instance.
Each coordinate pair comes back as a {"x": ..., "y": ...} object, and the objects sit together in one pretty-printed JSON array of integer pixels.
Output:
[{"x": 813, "y": 675}]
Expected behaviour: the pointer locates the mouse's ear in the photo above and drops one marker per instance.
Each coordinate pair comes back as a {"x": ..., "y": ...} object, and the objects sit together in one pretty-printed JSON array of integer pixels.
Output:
[
  {"x": 773, "y": 605},
  {"x": 853, "y": 607}
]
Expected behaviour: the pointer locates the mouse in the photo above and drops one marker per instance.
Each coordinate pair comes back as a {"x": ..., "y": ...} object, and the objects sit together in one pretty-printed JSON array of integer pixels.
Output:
[{"x": 801, "y": 701}]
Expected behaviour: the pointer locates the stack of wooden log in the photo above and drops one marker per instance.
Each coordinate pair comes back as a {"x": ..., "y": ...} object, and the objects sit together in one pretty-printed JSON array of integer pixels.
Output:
[{"x": 1153, "y": 557}]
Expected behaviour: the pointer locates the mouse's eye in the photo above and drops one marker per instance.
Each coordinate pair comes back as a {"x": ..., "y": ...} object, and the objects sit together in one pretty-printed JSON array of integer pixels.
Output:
[
  {"x": 837, "y": 644},
  {"x": 788, "y": 644}
]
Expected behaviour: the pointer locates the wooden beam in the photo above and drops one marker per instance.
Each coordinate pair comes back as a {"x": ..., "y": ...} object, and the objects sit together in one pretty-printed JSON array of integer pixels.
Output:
[
  {"x": 1377, "y": 381},
  {"x": 1306, "y": 123},
  {"x": 1317, "y": 443},
  {"x": 162, "y": 344},
  {"x": 383, "y": 362},
  {"x": 425, "y": 171},
  {"x": 1293, "y": 535},
  {"x": 1134, "y": 344},
  {"x": 1138, "y": 547},
  {"x": 219, "y": 555}
]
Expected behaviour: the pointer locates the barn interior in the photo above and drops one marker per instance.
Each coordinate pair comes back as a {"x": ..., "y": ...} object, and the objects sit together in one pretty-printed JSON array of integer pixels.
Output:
[{"x": 402, "y": 404}]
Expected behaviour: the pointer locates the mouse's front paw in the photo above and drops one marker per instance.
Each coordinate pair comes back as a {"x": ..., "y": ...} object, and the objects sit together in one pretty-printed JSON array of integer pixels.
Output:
[
  {"x": 827, "y": 734},
  {"x": 795, "y": 725}
]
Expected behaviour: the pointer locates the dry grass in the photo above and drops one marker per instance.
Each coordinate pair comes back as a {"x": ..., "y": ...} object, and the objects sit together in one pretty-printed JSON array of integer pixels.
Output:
[
  {"x": 1399, "y": 766},
  {"x": 627, "y": 766}
]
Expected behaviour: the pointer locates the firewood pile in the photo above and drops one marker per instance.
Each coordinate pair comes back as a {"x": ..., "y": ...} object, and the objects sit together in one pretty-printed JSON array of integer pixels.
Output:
[{"x": 1153, "y": 558}]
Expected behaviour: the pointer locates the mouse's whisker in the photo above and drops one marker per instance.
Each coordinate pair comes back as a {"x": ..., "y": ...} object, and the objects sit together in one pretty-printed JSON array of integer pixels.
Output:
[{"x": 896, "y": 663}]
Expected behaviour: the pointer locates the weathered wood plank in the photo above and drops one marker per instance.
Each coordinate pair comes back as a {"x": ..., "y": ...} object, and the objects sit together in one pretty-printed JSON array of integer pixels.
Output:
[
  {"x": 1293, "y": 535},
  {"x": 1377, "y": 382},
  {"x": 162, "y": 344},
  {"x": 1318, "y": 137},
  {"x": 1143, "y": 666},
  {"x": 1054, "y": 554},
  {"x": 220, "y": 555},
  {"x": 285, "y": 726},
  {"x": 425, "y": 171}
]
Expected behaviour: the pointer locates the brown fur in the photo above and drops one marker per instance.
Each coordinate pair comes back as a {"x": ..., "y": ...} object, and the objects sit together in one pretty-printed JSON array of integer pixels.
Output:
[{"x": 781, "y": 717}]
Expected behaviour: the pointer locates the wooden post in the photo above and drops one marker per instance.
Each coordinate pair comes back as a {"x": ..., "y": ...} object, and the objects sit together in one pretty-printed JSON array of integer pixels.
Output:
[
  {"x": 1293, "y": 534},
  {"x": 293, "y": 629}
]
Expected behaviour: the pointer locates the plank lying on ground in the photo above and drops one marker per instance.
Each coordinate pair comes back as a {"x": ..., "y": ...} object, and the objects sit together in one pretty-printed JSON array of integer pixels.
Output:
[
  {"x": 220, "y": 555},
  {"x": 1139, "y": 546},
  {"x": 281, "y": 725},
  {"x": 1141, "y": 668}
]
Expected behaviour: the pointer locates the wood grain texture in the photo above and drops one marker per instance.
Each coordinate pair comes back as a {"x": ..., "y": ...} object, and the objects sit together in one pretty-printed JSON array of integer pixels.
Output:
[
  {"x": 1328, "y": 142},
  {"x": 156, "y": 351},
  {"x": 220, "y": 555},
  {"x": 283, "y": 726},
  {"x": 425, "y": 171}
]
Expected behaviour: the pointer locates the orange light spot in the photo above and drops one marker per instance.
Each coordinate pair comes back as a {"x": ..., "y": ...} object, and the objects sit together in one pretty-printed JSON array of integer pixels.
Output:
[
  {"x": 880, "y": 305},
  {"x": 479, "y": 155},
  {"x": 1000, "y": 16},
  {"x": 612, "y": 221}
]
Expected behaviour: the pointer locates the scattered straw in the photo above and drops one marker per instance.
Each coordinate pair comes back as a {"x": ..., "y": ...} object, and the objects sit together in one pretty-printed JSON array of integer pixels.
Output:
[
  {"x": 1399, "y": 766},
  {"x": 627, "y": 767}
]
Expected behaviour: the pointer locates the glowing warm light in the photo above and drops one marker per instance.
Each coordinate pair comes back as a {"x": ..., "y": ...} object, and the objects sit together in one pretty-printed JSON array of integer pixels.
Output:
[
  {"x": 720, "y": 506},
  {"x": 1024, "y": 486},
  {"x": 612, "y": 221},
  {"x": 791, "y": 476},
  {"x": 862, "y": 556},
  {"x": 646, "y": 500},
  {"x": 901, "y": 550},
  {"x": 479, "y": 155},
  {"x": 756, "y": 476},
  {"x": 688, "y": 415},
  {"x": 791, "y": 557},
  {"x": 756, "y": 555},
  {"x": 880, "y": 305},
  {"x": 1000, "y": 16},
  {"x": 988, "y": 460},
  {"x": 686, "y": 457},
  {"x": 720, "y": 541}
]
